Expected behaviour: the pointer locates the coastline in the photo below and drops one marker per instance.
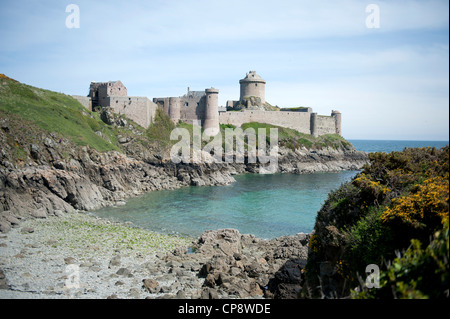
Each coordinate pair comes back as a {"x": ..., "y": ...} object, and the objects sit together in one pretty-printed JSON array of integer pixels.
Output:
[
  {"x": 57, "y": 189},
  {"x": 117, "y": 260},
  {"x": 36, "y": 253}
]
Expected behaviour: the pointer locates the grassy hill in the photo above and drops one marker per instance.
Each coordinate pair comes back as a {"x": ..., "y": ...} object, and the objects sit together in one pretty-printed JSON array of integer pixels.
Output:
[{"x": 54, "y": 113}]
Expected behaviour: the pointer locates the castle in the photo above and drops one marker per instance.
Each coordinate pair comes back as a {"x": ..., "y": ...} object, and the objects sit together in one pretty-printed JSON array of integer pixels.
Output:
[{"x": 203, "y": 107}]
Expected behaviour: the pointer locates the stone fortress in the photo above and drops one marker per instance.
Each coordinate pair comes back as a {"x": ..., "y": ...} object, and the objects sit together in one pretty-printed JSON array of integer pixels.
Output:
[{"x": 202, "y": 107}]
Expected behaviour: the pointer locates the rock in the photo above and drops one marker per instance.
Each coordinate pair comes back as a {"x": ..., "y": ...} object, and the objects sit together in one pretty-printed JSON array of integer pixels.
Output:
[
  {"x": 124, "y": 272},
  {"x": 223, "y": 242},
  {"x": 106, "y": 115},
  {"x": 58, "y": 213},
  {"x": 5, "y": 226},
  {"x": 255, "y": 290},
  {"x": 12, "y": 220},
  {"x": 181, "y": 295},
  {"x": 27, "y": 230},
  {"x": 115, "y": 261},
  {"x": 134, "y": 293},
  {"x": 3, "y": 281},
  {"x": 39, "y": 213},
  {"x": 165, "y": 289},
  {"x": 210, "y": 281},
  {"x": 288, "y": 281},
  {"x": 208, "y": 293},
  {"x": 34, "y": 151},
  {"x": 151, "y": 285},
  {"x": 70, "y": 260}
]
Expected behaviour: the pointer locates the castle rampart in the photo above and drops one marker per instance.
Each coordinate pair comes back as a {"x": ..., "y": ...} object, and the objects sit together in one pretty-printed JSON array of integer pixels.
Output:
[
  {"x": 202, "y": 107},
  {"x": 137, "y": 108}
]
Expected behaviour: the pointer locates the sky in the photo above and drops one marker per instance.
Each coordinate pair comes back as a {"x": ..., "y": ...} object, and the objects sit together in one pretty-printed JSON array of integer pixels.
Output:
[{"x": 383, "y": 64}]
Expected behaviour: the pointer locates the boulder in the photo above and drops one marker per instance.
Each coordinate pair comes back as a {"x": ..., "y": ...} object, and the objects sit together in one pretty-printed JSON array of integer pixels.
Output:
[
  {"x": 151, "y": 285},
  {"x": 225, "y": 242},
  {"x": 5, "y": 226}
]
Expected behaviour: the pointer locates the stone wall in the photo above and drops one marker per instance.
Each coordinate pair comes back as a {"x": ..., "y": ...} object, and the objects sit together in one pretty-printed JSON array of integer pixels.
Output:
[
  {"x": 137, "y": 108},
  {"x": 84, "y": 100},
  {"x": 193, "y": 107},
  {"x": 325, "y": 125},
  {"x": 299, "y": 121}
]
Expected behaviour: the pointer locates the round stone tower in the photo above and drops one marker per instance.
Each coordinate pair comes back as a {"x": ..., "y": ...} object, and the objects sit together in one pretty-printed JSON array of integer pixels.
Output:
[
  {"x": 211, "y": 123},
  {"x": 253, "y": 85},
  {"x": 338, "y": 120},
  {"x": 174, "y": 109}
]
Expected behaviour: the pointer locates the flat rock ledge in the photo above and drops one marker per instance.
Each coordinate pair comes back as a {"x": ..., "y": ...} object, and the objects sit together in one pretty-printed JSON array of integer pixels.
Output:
[{"x": 85, "y": 257}]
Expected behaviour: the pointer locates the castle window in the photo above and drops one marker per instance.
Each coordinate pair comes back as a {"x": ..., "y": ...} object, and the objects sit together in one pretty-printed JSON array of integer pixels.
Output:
[
  {"x": 256, "y": 84},
  {"x": 198, "y": 103},
  {"x": 186, "y": 104}
]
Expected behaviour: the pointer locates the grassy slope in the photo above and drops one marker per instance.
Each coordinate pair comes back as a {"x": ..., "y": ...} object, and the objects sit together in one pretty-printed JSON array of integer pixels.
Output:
[{"x": 54, "y": 112}]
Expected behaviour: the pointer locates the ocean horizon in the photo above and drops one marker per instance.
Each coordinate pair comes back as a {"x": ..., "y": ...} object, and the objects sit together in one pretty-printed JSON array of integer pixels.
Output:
[{"x": 371, "y": 146}]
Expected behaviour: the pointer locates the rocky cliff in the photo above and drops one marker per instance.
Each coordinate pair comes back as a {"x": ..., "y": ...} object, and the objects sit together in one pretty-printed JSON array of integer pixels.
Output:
[{"x": 54, "y": 175}]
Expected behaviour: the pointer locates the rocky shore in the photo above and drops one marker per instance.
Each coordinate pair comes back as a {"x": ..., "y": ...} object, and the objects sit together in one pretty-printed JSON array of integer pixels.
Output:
[
  {"x": 47, "y": 184},
  {"x": 80, "y": 256},
  {"x": 88, "y": 180}
]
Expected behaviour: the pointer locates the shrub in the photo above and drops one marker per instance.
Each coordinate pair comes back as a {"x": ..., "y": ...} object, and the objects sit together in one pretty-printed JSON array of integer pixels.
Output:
[
  {"x": 417, "y": 273},
  {"x": 401, "y": 198}
]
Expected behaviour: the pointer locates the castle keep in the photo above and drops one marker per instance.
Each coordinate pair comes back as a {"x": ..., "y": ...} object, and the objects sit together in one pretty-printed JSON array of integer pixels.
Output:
[
  {"x": 202, "y": 107},
  {"x": 114, "y": 94}
]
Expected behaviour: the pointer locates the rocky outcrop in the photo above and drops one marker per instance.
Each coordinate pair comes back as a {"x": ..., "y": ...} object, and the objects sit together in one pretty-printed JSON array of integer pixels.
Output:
[
  {"x": 233, "y": 265},
  {"x": 97, "y": 179}
]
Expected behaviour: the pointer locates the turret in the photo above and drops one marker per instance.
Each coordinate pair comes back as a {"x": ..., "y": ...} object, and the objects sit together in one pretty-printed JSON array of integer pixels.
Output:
[
  {"x": 338, "y": 121},
  {"x": 253, "y": 85},
  {"x": 174, "y": 109},
  {"x": 313, "y": 125},
  {"x": 211, "y": 123}
]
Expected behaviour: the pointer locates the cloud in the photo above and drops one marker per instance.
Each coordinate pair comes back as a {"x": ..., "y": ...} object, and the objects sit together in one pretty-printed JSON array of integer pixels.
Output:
[{"x": 318, "y": 54}]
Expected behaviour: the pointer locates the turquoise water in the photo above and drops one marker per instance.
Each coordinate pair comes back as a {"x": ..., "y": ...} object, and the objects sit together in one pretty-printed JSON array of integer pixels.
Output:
[{"x": 267, "y": 206}]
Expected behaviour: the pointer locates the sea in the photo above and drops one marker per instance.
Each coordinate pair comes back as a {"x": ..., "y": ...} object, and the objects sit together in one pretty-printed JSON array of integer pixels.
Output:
[{"x": 267, "y": 206}]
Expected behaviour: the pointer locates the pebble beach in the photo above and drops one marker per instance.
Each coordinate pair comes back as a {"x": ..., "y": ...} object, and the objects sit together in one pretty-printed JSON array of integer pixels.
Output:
[{"x": 80, "y": 256}]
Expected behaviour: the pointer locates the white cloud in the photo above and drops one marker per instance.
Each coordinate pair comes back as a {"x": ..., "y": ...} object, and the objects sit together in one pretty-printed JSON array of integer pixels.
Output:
[{"x": 312, "y": 53}]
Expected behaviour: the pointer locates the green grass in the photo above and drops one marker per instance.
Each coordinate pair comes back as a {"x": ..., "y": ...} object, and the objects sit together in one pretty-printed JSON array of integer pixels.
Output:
[
  {"x": 293, "y": 139},
  {"x": 55, "y": 112}
]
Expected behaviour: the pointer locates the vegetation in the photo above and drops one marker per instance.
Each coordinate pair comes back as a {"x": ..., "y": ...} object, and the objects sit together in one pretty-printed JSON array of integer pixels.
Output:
[
  {"x": 293, "y": 139},
  {"x": 387, "y": 216},
  {"x": 54, "y": 112}
]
